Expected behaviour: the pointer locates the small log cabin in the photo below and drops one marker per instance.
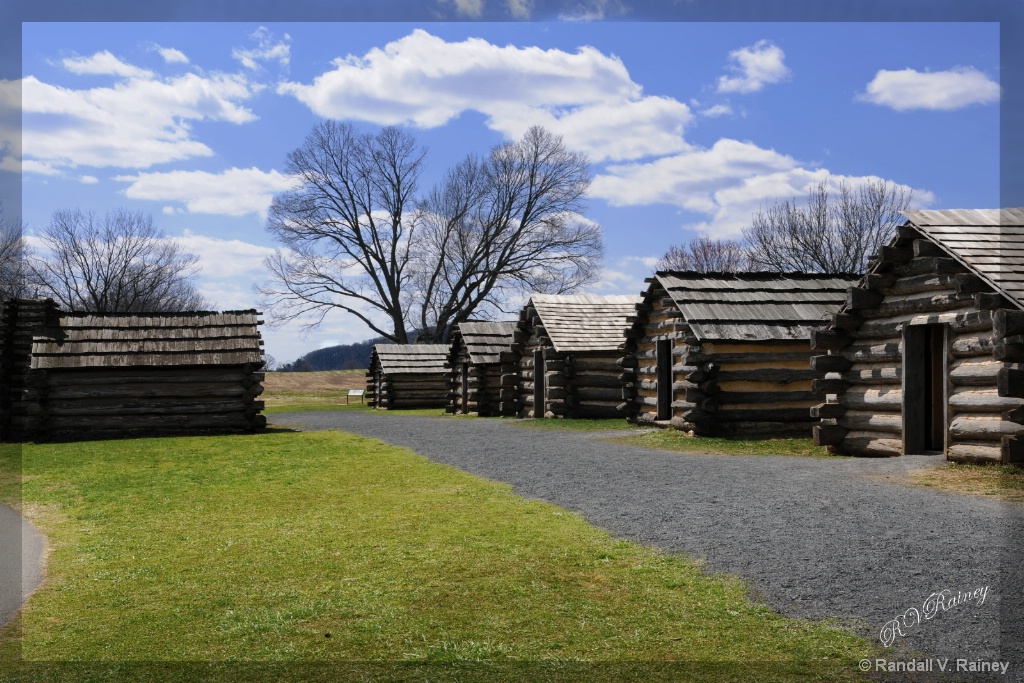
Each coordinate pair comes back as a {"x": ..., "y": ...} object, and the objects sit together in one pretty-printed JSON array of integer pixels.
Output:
[
  {"x": 113, "y": 375},
  {"x": 927, "y": 353},
  {"x": 565, "y": 357},
  {"x": 476, "y": 369},
  {"x": 727, "y": 353},
  {"x": 408, "y": 376}
]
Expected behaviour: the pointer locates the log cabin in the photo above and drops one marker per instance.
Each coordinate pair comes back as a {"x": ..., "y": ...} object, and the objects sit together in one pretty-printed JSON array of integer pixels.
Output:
[
  {"x": 926, "y": 356},
  {"x": 75, "y": 375},
  {"x": 475, "y": 365},
  {"x": 564, "y": 357},
  {"x": 407, "y": 376},
  {"x": 726, "y": 354}
]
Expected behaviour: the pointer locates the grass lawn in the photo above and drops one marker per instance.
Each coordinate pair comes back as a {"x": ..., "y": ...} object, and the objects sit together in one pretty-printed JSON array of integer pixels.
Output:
[
  {"x": 329, "y": 547},
  {"x": 674, "y": 440},
  {"x": 1005, "y": 482}
]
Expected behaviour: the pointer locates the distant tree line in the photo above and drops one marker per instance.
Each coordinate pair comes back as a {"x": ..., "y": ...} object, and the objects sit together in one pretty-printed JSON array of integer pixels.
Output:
[{"x": 342, "y": 357}]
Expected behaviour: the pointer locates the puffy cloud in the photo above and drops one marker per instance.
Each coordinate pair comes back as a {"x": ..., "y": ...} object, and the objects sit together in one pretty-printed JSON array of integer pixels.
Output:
[
  {"x": 728, "y": 182},
  {"x": 171, "y": 55},
  {"x": 104, "y": 64},
  {"x": 716, "y": 111},
  {"x": 425, "y": 81},
  {"x": 469, "y": 8},
  {"x": 268, "y": 49},
  {"x": 943, "y": 90},
  {"x": 140, "y": 121},
  {"x": 754, "y": 67},
  {"x": 520, "y": 9},
  {"x": 220, "y": 258},
  {"x": 234, "y": 192}
]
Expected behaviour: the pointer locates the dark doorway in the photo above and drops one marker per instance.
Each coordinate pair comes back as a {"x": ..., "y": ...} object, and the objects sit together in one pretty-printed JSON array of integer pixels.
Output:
[
  {"x": 664, "y": 351},
  {"x": 465, "y": 387},
  {"x": 924, "y": 389},
  {"x": 538, "y": 383}
]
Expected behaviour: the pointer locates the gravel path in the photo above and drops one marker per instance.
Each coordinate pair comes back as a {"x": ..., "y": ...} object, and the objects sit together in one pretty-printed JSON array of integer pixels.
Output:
[
  {"x": 22, "y": 549},
  {"x": 814, "y": 537}
]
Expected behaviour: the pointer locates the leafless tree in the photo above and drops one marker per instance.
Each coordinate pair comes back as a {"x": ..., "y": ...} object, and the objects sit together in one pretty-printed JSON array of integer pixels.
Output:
[
  {"x": 359, "y": 239},
  {"x": 12, "y": 257},
  {"x": 833, "y": 233},
  {"x": 118, "y": 263},
  {"x": 706, "y": 255}
]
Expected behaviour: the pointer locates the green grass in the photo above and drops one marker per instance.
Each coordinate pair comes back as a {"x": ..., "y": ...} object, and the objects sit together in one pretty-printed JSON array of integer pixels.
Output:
[
  {"x": 324, "y": 546},
  {"x": 995, "y": 480},
  {"x": 674, "y": 440},
  {"x": 582, "y": 425}
]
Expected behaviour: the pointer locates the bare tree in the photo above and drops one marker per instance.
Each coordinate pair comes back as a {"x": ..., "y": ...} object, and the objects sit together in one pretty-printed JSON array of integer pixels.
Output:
[
  {"x": 118, "y": 263},
  {"x": 706, "y": 255},
  {"x": 508, "y": 225},
  {"x": 832, "y": 233},
  {"x": 360, "y": 240},
  {"x": 12, "y": 257}
]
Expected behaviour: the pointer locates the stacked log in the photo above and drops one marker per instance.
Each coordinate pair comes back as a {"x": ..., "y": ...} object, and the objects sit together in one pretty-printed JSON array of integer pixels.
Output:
[
  {"x": 476, "y": 357},
  {"x": 80, "y": 375},
  {"x": 729, "y": 376},
  {"x": 409, "y": 376},
  {"x": 915, "y": 282}
]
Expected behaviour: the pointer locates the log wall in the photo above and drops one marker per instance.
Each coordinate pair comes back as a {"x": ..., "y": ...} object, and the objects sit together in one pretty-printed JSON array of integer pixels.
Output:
[
  {"x": 76, "y": 377},
  {"x": 719, "y": 388},
  {"x": 484, "y": 384},
  {"x": 983, "y": 383}
]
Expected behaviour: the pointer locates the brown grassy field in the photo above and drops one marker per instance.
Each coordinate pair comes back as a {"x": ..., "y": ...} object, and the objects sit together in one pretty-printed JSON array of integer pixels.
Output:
[{"x": 293, "y": 388}]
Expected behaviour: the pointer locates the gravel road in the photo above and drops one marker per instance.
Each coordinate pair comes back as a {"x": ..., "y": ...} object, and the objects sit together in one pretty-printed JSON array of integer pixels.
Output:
[{"x": 814, "y": 537}]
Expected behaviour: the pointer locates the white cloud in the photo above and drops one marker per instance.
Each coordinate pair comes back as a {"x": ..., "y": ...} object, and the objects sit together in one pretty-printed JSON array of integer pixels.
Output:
[
  {"x": 728, "y": 183},
  {"x": 220, "y": 258},
  {"x": 268, "y": 49},
  {"x": 716, "y": 111},
  {"x": 88, "y": 179},
  {"x": 234, "y": 192},
  {"x": 140, "y": 121},
  {"x": 104, "y": 64},
  {"x": 469, "y": 8},
  {"x": 943, "y": 90},
  {"x": 520, "y": 9},
  {"x": 422, "y": 80},
  {"x": 171, "y": 55},
  {"x": 592, "y": 10},
  {"x": 754, "y": 67}
]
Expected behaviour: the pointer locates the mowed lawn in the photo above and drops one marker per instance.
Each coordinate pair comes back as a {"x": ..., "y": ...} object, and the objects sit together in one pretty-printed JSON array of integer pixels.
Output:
[{"x": 326, "y": 546}]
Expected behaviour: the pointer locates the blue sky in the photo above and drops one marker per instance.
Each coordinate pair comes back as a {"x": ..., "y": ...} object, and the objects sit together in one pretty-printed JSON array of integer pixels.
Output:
[{"x": 690, "y": 126}]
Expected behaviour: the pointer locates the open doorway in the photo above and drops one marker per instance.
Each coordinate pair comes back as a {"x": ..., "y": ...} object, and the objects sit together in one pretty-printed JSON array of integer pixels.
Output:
[
  {"x": 664, "y": 351},
  {"x": 924, "y": 389},
  {"x": 539, "y": 405}
]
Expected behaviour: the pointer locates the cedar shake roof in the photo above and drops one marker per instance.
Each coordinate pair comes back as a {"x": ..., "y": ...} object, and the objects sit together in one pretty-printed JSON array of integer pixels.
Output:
[
  {"x": 989, "y": 242},
  {"x": 484, "y": 341},
  {"x": 411, "y": 359},
  {"x": 95, "y": 340},
  {"x": 585, "y": 322},
  {"x": 755, "y": 306}
]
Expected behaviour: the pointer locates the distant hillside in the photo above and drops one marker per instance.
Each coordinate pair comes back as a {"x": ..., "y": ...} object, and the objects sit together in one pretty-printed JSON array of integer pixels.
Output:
[{"x": 342, "y": 357}]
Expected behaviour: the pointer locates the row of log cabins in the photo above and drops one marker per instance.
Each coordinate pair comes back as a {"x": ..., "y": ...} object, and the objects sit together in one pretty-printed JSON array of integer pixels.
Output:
[
  {"x": 924, "y": 353},
  {"x": 73, "y": 375}
]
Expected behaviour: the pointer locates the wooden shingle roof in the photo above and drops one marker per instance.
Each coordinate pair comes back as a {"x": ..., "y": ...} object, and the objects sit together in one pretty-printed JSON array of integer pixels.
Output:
[
  {"x": 95, "y": 340},
  {"x": 989, "y": 242},
  {"x": 585, "y": 322},
  {"x": 755, "y": 306},
  {"x": 411, "y": 359},
  {"x": 484, "y": 341}
]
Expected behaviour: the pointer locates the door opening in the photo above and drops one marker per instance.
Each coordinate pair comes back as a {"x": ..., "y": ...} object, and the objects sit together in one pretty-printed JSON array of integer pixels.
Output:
[
  {"x": 924, "y": 389},
  {"x": 664, "y": 378},
  {"x": 539, "y": 405}
]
